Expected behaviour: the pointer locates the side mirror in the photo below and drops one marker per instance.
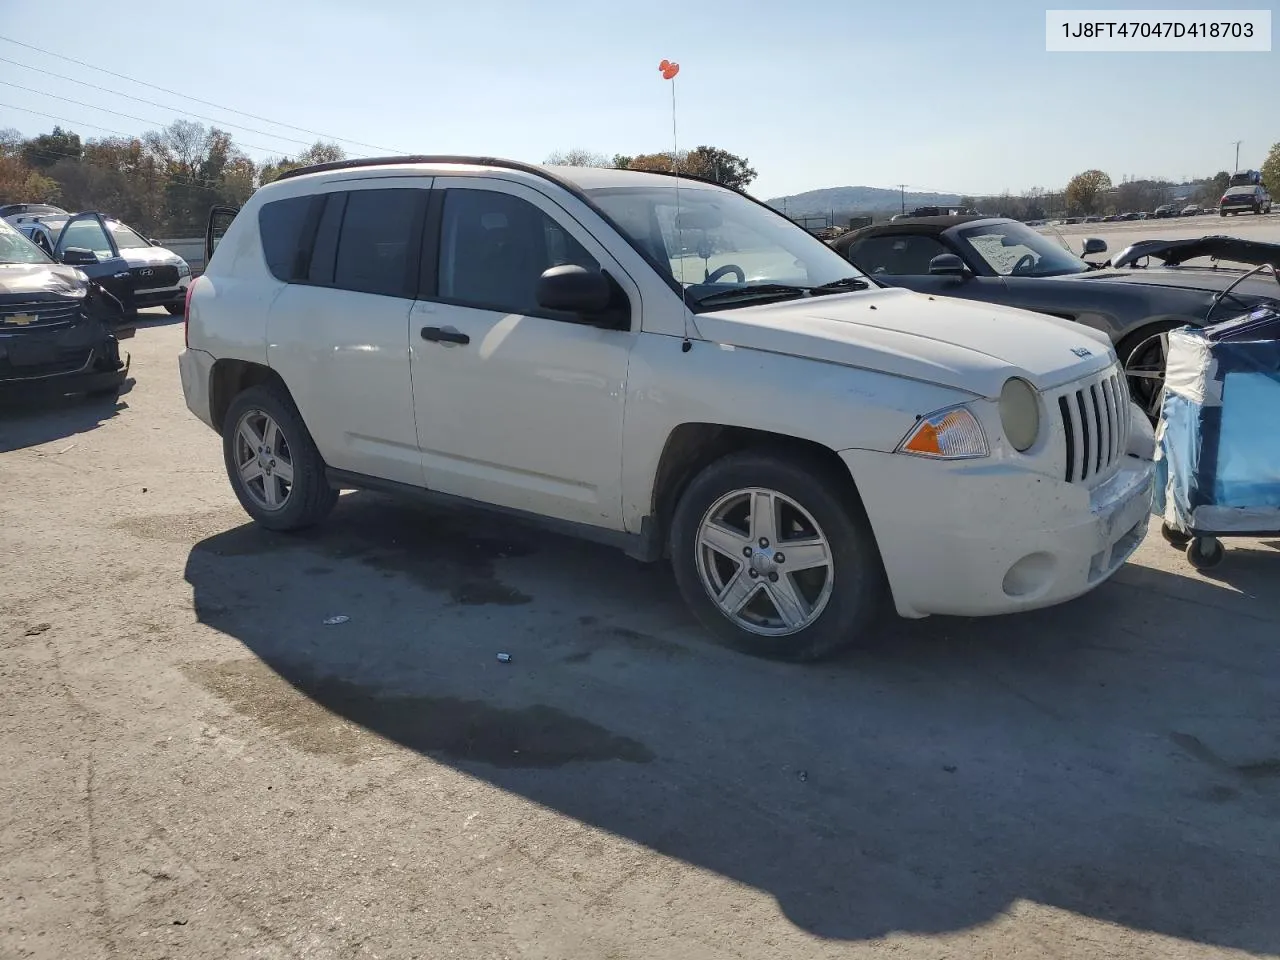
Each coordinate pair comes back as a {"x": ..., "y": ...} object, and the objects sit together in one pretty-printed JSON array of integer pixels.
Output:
[
  {"x": 947, "y": 265},
  {"x": 1094, "y": 245},
  {"x": 573, "y": 289},
  {"x": 78, "y": 257},
  {"x": 154, "y": 242}
]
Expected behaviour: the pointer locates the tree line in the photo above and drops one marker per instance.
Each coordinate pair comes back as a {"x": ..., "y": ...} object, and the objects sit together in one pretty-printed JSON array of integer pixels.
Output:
[
  {"x": 163, "y": 182},
  {"x": 710, "y": 163}
]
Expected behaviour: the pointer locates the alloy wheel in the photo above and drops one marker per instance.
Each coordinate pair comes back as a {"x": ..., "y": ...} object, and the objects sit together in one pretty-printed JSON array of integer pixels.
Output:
[
  {"x": 1145, "y": 370},
  {"x": 263, "y": 458},
  {"x": 765, "y": 562}
]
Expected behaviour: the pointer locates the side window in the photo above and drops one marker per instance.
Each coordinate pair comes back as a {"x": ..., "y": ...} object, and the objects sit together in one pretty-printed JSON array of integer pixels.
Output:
[
  {"x": 376, "y": 242},
  {"x": 280, "y": 224},
  {"x": 895, "y": 256},
  {"x": 494, "y": 247}
]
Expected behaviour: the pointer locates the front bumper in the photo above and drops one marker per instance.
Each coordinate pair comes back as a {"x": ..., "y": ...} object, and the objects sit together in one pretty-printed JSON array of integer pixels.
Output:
[
  {"x": 162, "y": 296},
  {"x": 976, "y": 538}
]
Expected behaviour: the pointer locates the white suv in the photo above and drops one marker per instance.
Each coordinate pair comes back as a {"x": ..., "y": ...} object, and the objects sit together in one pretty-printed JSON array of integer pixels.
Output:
[{"x": 672, "y": 367}]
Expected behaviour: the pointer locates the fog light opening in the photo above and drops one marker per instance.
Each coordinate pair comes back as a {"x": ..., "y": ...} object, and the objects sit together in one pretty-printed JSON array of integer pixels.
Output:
[{"x": 1031, "y": 575}]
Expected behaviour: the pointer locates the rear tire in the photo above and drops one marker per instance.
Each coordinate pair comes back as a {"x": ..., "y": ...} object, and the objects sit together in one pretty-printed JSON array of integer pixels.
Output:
[
  {"x": 274, "y": 467},
  {"x": 831, "y": 585}
]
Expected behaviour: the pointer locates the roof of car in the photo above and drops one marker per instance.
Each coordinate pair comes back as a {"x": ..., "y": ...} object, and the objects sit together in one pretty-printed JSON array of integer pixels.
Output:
[{"x": 916, "y": 226}]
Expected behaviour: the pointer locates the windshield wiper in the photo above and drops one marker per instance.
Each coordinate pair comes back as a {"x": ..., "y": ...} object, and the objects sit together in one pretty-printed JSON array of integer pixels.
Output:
[
  {"x": 760, "y": 291},
  {"x": 844, "y": 283}
]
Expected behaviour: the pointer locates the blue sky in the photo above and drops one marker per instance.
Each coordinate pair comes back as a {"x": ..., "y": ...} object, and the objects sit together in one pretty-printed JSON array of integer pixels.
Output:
[{"x": 937, "y": 95}]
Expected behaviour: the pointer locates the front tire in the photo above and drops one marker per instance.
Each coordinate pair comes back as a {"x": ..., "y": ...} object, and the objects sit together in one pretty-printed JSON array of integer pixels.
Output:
[
  {"x": 813, "y": 582},
  {"x": 274, "y": 467},
  {"x": 175, "y": 309},
  {"x": 1144, "y": 355}
]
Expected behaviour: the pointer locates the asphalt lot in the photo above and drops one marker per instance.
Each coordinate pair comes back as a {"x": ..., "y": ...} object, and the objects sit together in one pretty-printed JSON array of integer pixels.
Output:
[{"x": 197, "y": 766}]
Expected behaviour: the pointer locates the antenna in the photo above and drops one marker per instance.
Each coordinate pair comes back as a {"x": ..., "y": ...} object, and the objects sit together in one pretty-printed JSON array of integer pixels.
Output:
[{"x": 669, "y": 69}]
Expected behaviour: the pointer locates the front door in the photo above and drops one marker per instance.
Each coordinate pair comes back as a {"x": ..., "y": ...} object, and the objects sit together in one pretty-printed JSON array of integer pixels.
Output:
[
  {"x": 84, "y": 234},
  {"x": 516, "y": 406}
]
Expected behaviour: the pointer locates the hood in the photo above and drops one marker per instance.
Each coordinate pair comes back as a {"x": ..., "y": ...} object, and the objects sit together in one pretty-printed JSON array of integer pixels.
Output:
[
  {"x": 960, "y": 344},
  {"x": 150, "y": 257},
  {"x": 40, "y": 281},
  {"x": 1209, "y": 279}
]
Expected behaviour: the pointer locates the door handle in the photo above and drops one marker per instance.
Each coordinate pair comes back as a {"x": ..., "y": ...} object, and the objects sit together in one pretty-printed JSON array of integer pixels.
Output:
[{"x": 444, "y": 335}]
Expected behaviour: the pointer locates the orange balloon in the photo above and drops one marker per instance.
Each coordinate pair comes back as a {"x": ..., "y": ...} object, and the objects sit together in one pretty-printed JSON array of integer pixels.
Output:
[{"x": 669, "y": 69}]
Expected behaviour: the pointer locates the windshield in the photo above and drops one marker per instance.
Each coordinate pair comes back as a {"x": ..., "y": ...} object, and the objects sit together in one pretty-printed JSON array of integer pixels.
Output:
[
  {"x": 1013, "y": 249},
  {"x": 722, "y": 243},
  {"x": 15, "y": 248},
  {"x": 126, "y": 237}
]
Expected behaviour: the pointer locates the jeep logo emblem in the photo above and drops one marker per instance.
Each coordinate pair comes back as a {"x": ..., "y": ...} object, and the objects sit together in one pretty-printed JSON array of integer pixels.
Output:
[{"x": 1082, "y": 351}]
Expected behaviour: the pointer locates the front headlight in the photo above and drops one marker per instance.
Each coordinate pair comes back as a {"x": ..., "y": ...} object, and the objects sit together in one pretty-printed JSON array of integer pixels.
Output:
[
  {"x": 952, "y": 433},
  {"x": 1020, "y": 413},
  {"x": 184, "y": 268}
]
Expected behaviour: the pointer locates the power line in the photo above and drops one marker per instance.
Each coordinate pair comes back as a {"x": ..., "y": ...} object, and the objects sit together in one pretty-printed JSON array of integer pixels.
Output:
[
  {"x": 127, "y": 116},
  {"x": 153, "y": 103},
  {"x": 207, "y": 103}
]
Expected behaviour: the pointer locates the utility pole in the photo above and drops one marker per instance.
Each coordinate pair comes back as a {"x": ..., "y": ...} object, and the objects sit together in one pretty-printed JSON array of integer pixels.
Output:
[
  {"x": 902, "y": 192},
  {"x": 1236, "y": 169}
]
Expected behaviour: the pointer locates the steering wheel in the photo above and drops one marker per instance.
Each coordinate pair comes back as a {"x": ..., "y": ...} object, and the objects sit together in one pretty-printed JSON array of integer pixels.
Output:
[
  {"x": 1025, "y": 262},
  {"x": 728, "y": 268}
]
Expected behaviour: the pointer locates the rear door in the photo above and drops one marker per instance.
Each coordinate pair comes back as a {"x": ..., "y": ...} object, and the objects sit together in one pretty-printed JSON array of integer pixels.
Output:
[
  {"x": 88, "y": 232},
  {"x": 338, "y": 333}
]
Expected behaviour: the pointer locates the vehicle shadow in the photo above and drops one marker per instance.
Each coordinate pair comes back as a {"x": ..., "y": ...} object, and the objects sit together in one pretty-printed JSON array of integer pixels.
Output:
[
  {"x": 30, "y": 423},
  {"x": 1118, "y": 757}
]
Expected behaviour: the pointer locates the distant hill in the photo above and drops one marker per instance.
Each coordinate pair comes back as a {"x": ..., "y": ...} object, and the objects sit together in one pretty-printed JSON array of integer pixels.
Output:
[{"x": 850, "y": 200}]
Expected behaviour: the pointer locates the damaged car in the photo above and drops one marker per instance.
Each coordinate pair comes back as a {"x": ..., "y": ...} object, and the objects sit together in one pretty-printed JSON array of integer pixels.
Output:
[
  {"x": 138, "y": 271},
  {"x": 1136, "y": 298},
  {"x": 60, "y": 331}
]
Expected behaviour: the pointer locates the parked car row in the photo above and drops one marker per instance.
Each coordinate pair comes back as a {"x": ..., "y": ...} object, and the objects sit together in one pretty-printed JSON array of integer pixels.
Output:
[
  {"x": 138, "y": 271},
  {"x": 1002, "y": 261}
]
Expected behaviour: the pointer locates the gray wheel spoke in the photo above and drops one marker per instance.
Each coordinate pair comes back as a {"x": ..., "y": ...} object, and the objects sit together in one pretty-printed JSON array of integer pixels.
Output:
[
  {"x": 723, "y": 540},
  {"x": 787, "y": 601},
  {"x": 250, "y": 436},
  {"x": 250, "y": 471},
  {"x": 271, "y": 436},
  {"x": 271, "y": 491},
  {"x": 805, "y": 554},
  {"x": 764, "y": 518},
  {"x": 284, "y": 470},
  {"x": 1146, "y": 374},
  {"x": 737, "y": 592}
]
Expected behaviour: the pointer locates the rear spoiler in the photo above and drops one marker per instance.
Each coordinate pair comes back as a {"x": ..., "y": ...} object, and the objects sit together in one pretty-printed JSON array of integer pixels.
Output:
[{"x": 1173, "y": 252}]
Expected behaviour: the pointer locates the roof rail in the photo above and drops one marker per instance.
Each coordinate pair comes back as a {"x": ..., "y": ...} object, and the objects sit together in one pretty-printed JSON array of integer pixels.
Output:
[{"x": 537, "y": 170}]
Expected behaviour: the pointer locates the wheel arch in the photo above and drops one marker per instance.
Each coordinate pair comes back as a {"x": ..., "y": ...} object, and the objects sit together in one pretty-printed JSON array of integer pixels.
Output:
[
  {"x": 230, "y": 377},
  {"x": 692, "y": 447}
]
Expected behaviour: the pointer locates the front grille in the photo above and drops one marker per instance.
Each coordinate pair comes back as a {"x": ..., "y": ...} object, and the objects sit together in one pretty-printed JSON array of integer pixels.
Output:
[
  {"x": 164, "y": 276},
  {"x": 1095, "y": 423},
  {"x": 38, "y": 315}
]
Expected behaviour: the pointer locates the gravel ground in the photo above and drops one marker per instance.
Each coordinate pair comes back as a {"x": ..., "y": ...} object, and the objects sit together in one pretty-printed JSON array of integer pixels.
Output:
[{"x": 199, "y": 767}]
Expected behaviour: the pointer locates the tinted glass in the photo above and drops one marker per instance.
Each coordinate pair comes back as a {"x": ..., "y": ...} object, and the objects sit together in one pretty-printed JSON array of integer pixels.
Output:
[
  {"x": 280, "y": 223},
  {"x": 15, "y": 248},
  {"x": 895, "y": 256},
  {"x": 494, "y": 247},
  {"x": 87, "y": 235},
  {"x": 325, "y": 251},
  {"x": 375, "y": 241},
  {"x": 1011, "y": 249}
]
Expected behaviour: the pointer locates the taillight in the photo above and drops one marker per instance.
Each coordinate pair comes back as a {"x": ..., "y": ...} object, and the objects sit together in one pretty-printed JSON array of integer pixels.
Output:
[{"x": 186, "y": 314}]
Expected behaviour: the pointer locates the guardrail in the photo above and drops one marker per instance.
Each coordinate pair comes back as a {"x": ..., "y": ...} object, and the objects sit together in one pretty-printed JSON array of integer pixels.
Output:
[{"x": 190, "y": 249}]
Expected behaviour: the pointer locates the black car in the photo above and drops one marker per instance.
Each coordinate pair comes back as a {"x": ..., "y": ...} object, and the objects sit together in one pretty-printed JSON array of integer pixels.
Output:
[
  {"x": 60, "y": 331},
  {"x": 1003, "y": 261},
  {"x": 139, "y": 272}
]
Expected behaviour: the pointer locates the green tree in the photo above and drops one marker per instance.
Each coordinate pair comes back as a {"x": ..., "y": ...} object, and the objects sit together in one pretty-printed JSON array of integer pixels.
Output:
[
  {"x": 42, "y": 152},
  {"x": 1271, "y": 171},
  {"x": 1085, "y": 191},
  {"x": 318, "y": 152},
  {"x": 721, "y": 166}
]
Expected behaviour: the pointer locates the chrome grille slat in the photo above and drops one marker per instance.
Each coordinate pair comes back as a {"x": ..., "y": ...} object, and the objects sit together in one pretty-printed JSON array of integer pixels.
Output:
[
  {"x": 42, "y": 314},
  {"x": 1095, "y": 426}
]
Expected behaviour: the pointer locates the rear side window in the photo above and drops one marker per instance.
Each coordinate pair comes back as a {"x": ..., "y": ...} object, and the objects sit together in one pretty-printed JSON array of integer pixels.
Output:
[
  {"x": 377, "y": 241},
  {"x": 281, "y": 223}
]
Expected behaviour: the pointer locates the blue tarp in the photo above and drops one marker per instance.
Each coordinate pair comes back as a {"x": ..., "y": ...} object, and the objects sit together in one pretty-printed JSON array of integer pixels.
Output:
[{"x": 1218, "y": 440}]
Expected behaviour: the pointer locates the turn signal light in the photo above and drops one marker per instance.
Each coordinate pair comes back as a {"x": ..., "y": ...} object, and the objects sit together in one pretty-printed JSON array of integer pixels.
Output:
[{"x": 950, "y": 434}]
